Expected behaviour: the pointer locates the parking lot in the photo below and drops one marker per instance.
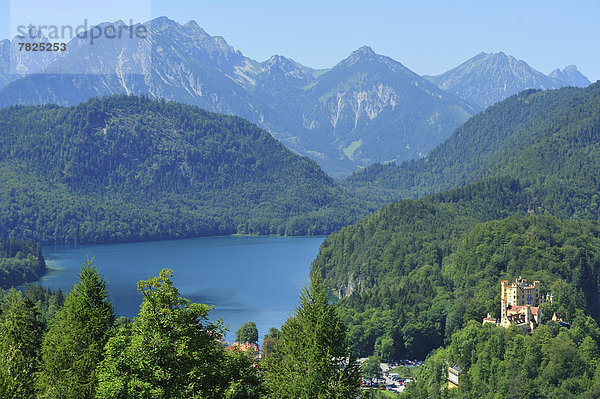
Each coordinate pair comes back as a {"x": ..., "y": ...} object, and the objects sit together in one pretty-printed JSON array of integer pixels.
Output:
[{"x": 392, "y": 381}]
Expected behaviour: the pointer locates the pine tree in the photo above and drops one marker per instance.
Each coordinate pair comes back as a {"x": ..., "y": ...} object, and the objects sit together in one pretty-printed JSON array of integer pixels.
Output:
[
  {"x": 74, "y": 343},
  {"x": 311, "y": 358},
  {"x": 20, "y": 341}
]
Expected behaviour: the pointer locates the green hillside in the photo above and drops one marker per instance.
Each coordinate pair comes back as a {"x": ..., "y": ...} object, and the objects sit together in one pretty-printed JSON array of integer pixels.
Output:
[
  {"x": 550, "y": 137},
  {"x": 417, "y": 271},
  {"x": 128, "y": 168},
  {"x": 554, "y": 362}
]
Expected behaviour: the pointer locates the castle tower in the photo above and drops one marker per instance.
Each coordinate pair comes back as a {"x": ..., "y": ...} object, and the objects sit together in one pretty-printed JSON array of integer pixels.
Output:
[
  {"x": 521, "y": 293},
  {"x": 503, "y": 289},
  {"x": 519, "y": 304},
  {"x": 527, "y": 311},
  {"x": 503, "y": 312}
]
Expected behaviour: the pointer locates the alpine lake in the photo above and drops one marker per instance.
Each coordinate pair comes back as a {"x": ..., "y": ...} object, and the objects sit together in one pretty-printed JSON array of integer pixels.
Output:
[{"x": 246, "y": 278}]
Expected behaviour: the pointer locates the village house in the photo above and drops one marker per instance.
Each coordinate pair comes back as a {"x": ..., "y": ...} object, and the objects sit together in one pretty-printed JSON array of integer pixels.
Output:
[{"x": 454, "y": 373}]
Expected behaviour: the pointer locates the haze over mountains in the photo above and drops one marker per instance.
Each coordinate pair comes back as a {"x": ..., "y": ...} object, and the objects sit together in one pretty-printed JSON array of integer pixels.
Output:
[
  {"x": 368, "y": 108},
  {"x": 513, "y": 191},
  {"x": 489, "y": 78},
  {"x": 570, "y": 75}
]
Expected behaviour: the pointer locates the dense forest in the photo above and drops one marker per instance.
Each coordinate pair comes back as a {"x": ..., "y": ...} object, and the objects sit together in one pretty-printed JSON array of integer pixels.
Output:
[
  {"x": 127, "y": 168},
  {"x": 553, "y": 362},
  {"x": 46, "y": 301},
  {"x": 21, "y": 261},
  {"x": 416, "y": 271}
]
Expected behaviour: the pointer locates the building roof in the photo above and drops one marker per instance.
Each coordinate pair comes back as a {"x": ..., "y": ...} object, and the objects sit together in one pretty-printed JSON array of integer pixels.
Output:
[
  {"x": 245, "y": 347},
  {"x": 519, "y": 309},
  {"x": 522, "y": 283},
  {"x": 456, "y": 369}
]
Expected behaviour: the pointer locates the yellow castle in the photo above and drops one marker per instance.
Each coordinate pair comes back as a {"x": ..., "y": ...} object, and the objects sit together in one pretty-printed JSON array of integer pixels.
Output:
[{"x": 519, "y": 305}]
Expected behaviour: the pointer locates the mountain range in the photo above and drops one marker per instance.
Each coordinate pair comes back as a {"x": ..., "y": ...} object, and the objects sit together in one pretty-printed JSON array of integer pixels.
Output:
[
  {"x": 519, "y": 137},
  {"x": 368, "y": 108}
]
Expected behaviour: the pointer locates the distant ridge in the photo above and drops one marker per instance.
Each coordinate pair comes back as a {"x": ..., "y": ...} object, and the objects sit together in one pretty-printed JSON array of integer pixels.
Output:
[
  {"x": 570, "y": 76},
  {"x": 489, "y": 78},
  {"x": 342, "y": 117}
]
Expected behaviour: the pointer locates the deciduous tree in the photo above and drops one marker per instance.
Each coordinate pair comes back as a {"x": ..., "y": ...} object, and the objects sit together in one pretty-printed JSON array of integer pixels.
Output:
[
  {"x": 170, "y": 350},
  {"x": 247, "y": 333}
]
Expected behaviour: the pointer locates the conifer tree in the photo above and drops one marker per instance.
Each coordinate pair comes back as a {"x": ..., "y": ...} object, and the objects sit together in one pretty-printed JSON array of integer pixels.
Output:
[
  {"x": 20, "y": 341},
  {"x": 74, "y": 343},
  {"x": 311, "y": 358}
]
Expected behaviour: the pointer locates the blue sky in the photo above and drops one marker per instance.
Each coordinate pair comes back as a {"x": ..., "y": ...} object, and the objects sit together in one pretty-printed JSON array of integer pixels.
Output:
[{"x": 428, "y": 36}]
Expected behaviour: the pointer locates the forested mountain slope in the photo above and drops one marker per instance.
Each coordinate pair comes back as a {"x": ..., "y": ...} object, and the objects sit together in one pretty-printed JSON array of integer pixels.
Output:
[
  {"x": 128, "y": 168},
  {"x": 413, "y": 273},
  {"x": 553, "y": 362},
  {"x": 550, "y": 136}
]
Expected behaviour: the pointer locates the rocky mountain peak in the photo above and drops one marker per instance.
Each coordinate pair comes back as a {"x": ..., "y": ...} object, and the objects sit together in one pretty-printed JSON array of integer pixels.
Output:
[
  {"x": 504, "y": 59},
  {"x": 163, "y": 24},
  {"x": 279, "y": 61},
  {"x": 365, "y": 50},
  {"x": 191, "y": 25},
  {"x": 363, "y": 53},
  {"x": 491, "y": 77},
  {"x": 283, "y": 67},
  {"x": 570, "y": 76}
]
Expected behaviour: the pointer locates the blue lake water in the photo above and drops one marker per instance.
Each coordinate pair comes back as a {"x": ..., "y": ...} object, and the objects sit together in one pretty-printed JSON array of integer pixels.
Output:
[{"x": 246, "y": 278}]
